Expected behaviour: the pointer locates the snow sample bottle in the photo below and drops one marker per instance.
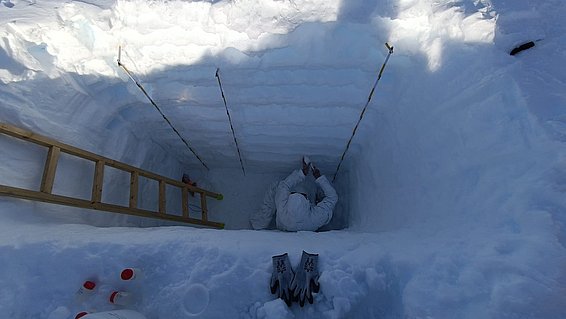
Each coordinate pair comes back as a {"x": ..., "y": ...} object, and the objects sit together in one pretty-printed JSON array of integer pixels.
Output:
[
  {"x": 81, "y": 314},
  {"x": 86, "y": 291},
  {"x": 122, "y": 298},
  {"x": 131, "y": 274}
]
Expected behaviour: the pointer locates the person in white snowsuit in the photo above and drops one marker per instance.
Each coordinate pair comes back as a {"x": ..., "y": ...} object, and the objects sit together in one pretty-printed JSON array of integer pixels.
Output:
[{"x": 293, "y": 202}]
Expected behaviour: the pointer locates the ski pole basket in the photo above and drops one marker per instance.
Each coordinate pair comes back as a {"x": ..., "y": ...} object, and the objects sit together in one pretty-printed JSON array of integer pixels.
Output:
[{"x": 45, "y": 192}]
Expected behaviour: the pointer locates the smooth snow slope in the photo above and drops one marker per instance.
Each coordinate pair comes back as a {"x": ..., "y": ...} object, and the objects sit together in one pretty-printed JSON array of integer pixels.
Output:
[{"x": 452, "y": 190}]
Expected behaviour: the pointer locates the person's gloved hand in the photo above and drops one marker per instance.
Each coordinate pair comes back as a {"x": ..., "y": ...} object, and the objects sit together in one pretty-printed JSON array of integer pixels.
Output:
[
  {"x": 306, "y": 165},
  {"x": 281, "y": 278},
  {"x": 305, "y": 281},
  {"x": 316, "y": 172}
]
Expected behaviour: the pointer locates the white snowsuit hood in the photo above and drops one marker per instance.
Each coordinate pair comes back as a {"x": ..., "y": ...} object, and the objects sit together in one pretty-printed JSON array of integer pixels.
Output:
[{"x": 297, "y": 207}]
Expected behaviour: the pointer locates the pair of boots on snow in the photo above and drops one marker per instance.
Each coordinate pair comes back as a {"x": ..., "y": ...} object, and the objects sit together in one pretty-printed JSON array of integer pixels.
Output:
[{"x": 296, "y": 285}]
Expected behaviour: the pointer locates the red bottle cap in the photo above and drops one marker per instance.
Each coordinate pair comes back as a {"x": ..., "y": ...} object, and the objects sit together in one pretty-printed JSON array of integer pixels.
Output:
[
  {"x": 112, "y": 296},
  {"x": 81, "y": 314},
  {"x": 89, "y": 285},
  {"x": 127, "y": 274}
]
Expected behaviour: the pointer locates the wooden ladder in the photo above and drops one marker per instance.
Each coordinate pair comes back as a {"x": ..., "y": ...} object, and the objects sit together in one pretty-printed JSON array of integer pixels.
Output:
[{"x": 45, "y": 193}]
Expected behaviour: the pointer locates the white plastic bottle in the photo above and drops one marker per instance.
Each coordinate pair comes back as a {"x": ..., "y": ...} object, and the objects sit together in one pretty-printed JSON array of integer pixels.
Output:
[
  {"x": 122, "y": 298},
  {"x": 86, "y": 291},
  {"x": 114, "y": 314}
]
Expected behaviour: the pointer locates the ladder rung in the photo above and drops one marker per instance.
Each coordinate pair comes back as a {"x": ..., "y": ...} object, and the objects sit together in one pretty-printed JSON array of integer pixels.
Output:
[
  {"x": 162, "y": 197},
  {"x": 185, "y": 203},
  {"x": 134, "y": 184},
  {"x": 98, "y": 182},
  {"x": 204, "y": 208},
  {"x": 50, "y": 169}
]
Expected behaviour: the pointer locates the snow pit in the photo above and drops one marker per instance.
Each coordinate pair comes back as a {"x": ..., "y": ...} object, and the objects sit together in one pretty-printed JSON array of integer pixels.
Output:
[{"x": 451, "y": 195}]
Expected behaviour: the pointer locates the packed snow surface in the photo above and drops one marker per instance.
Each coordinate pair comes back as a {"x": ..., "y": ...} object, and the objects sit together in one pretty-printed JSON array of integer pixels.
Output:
[{"x": 451, "y": 195}]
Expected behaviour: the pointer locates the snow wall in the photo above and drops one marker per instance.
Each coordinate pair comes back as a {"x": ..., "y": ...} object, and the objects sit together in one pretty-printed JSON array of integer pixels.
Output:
[
  {"x": 440, "y": 139},
  {"x": 456, "y": 165},
  {"x": 464, "y": 135}
]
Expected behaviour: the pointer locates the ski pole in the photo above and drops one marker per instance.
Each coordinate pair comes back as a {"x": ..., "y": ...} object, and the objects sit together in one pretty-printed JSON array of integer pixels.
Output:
[
  {"x": 390, "y": 48},
  {"x": 157, "y": 107}
]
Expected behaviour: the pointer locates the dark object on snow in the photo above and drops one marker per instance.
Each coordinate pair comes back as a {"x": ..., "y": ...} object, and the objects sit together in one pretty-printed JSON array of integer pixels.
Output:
[
  {"x": 522, "y": 47},
  {"x": 306, "y": 279},
  {"x": 187, "y": 180},
  {"x": 281, "y": 278}
]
